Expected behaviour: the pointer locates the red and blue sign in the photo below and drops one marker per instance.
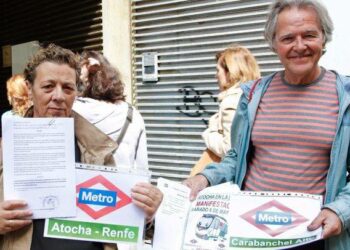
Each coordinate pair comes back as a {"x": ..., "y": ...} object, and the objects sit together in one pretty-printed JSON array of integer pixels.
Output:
[
  {"x": 273, "y": 218},
  {"x": 97, "y": 202},
  {"x": 97, "y": 197}
]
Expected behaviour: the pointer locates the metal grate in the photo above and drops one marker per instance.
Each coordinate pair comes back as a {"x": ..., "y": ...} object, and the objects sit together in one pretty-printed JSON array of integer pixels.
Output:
[{"x": 187, "y": 35}]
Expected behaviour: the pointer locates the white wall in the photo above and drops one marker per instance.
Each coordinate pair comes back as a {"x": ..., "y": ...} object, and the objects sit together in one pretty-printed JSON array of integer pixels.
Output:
[{"x": 337, "y": 56}]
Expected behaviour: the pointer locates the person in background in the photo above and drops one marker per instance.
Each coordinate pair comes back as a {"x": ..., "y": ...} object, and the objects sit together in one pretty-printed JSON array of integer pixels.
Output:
[
  {"x": 102, "y": 102},
  {"x": 235, "y": 65},
  {"x": 52, "y": 76},
  {"x": 17, "y": 95},
  {"x": 291, "y": 129}
]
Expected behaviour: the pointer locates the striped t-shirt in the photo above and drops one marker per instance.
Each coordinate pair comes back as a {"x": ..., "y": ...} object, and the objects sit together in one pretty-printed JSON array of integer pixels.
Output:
[{"x": 292, "y": 136}]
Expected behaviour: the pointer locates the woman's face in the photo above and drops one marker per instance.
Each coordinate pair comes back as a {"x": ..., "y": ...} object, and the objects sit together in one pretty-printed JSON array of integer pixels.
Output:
[
  {"x": 53, "y": 90},
  {"x": 221, "y": 76},
  {"x": 299, "y": 43}
]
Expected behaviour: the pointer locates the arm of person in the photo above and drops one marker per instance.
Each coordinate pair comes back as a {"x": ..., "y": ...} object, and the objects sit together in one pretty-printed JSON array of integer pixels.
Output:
[
  {"x": 335, "y": 216},
  {"x": 217, "y": 136},
  {"x": 141, "y": 158},
  {"x": 213, "y": 136},
  {"x": 213, "y": 174},
  {"x": 216, "y": 173}
]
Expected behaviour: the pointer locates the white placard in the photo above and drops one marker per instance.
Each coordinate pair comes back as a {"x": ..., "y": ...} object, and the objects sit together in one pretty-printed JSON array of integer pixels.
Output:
[
  {"x": 105, "y": 211},
  {"x": 222, "y": 217}
]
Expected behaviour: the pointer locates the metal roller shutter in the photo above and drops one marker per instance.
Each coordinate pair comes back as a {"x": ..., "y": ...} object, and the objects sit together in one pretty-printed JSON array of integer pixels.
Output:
[{"x": 186, "y": 35}]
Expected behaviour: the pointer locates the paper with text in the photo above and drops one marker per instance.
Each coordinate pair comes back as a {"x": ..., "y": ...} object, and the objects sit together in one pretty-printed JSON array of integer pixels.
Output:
[
  {"x": 39, "y": 164},
  {"x": 222, "y": 217}
]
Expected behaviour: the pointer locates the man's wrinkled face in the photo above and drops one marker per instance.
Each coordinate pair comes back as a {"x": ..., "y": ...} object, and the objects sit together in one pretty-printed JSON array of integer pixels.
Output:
[{"x": 299, "y": 41}]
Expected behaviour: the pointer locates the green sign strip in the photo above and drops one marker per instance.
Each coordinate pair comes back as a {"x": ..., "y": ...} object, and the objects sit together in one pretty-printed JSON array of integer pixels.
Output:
[
  {"x": 239, "y": 242},
  {"x": 92, "y": 230}
]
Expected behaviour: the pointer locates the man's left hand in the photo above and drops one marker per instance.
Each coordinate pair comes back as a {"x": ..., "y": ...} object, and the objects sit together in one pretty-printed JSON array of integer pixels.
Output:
[{"x": 329, "y": 221}]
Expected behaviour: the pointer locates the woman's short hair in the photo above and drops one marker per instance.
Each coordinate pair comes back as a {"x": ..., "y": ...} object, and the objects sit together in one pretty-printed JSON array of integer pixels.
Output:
[
  {"x": 279, "y": 5},
  {"x": 52, "y": 53},
  {"x": 17, "y": 94},
  {"x": 104, "y": 83},
  {"x": 239, "y": 64}
]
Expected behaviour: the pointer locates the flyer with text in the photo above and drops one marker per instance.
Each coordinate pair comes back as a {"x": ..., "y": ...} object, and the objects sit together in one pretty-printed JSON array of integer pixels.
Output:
[{"x": 223, "y": 218}]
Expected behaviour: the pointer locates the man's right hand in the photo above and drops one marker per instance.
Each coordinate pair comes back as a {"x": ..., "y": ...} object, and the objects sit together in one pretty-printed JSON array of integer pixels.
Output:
[
  {"x": 196, "y": 184},
  {"x": 13, "y": 216}
]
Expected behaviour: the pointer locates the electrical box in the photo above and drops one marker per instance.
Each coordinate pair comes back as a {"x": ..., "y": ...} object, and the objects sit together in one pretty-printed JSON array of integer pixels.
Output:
[{"x": 149, "y": 67}]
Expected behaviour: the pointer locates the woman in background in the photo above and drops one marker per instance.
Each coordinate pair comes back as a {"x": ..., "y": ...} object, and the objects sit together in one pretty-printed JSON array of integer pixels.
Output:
[
  {"x": 102, "y": 102},
  {"x": 17, "y": 95},
  {"x": 235, "y": 65}
]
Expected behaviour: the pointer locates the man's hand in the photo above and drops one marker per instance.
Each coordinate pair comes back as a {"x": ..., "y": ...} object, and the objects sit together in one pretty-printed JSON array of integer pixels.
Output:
[
  {"x": 196, "y": 184},
  {"x": 147, "y": 197},
  {"x": 329, "y": 221},
  {"x": 13, "y": 216}
]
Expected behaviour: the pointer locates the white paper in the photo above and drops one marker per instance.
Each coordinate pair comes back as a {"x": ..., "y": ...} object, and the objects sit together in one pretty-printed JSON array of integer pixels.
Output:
[
  {"x": 105, "y": 211},
  {"x": 222, "y": 217},
  {"x": 251, "y": 220},
  {"x": 171, "y": 216},
  {"x": 39, "y": 164}
]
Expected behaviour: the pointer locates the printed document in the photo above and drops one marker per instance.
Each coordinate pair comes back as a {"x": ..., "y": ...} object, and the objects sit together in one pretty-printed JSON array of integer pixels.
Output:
[{"x": 39, "y": 164}]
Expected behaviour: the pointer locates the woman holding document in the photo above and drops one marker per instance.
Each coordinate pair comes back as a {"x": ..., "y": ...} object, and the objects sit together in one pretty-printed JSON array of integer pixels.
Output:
[{"x": 52, "y": 75}]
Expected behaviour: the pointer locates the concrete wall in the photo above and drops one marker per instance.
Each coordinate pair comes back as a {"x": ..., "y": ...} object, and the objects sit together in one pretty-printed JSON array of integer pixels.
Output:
[{"x": 117, "y": 38}]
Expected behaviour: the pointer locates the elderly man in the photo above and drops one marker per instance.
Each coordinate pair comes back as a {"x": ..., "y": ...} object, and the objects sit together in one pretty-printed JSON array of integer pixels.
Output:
[
  {"x": 291, "y": 129},
  {"x": 52, "y": 75}
]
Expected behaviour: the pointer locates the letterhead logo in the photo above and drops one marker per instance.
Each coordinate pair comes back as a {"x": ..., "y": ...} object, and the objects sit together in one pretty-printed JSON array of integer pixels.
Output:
[
  {"x": 98, "y": 197},
  {"x": 273, "y": 218}
]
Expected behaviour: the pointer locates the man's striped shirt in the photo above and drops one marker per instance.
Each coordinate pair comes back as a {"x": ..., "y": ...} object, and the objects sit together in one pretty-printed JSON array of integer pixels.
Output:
[{"x": 292, "y": 136}]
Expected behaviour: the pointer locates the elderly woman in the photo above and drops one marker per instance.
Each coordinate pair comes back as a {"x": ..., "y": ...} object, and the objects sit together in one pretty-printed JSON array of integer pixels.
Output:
[
  {"x": 52, "y": 76},
  {"x": 291, "y": 129}
]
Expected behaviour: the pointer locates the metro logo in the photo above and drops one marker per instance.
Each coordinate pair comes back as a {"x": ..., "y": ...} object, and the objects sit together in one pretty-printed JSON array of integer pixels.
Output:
[
  {"x": 273, "y": 218},
  {"x": 97, "y": 197},
  {"x": 271, "y": 222},
  {"x": 110, "y": 199}
]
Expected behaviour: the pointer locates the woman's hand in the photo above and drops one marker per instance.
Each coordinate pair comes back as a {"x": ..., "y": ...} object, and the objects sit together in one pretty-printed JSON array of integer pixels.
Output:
[
  {"x": 13, "y": 216},
  {"x": 147, "y": 197}
]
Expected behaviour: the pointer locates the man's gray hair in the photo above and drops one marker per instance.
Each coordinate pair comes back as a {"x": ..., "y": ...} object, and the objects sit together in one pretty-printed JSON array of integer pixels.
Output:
[{"x": 279, "y": 5}]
